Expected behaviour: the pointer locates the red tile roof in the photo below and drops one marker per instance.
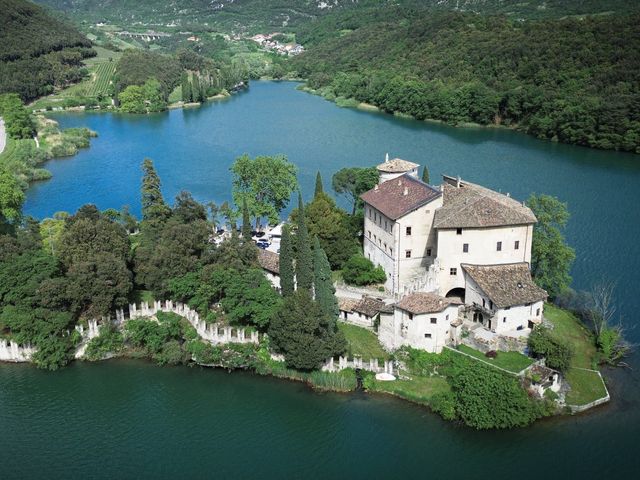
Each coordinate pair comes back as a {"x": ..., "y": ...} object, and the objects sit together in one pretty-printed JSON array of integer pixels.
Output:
[{"x": 395, "y": 198}]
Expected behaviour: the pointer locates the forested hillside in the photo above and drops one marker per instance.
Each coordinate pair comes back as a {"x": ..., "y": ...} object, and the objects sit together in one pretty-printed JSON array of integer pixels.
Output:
[
  {"x": 37, "y": 51},
  {"x": 574, "y": 80}
]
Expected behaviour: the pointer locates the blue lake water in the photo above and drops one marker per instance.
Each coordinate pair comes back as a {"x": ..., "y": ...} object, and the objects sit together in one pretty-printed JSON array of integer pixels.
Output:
[{"x": 331, "y": 435}]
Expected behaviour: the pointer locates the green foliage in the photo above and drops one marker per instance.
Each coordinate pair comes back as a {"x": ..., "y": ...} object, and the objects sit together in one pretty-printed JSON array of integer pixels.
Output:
[
  {"x": 142, "y": 99},
  {"x": 303, "y": 333},
  {"x": 266, "y": 183},
  {"x": 18, "y": 120},
  {"x": 304, "y": 258},
  {"x": 246, "y": 222},
  {"x": 570, "y": 79},
  {"x": 287, "y": 280},
  {"x": 331, "y": 225},
  {"x": 11, "y": 200},
  {"x": 425, "y": 174},
  {"x": 353, "y": 182},
  {"x": 154, "y": 208},
  {"x": 109, "y": 341},
  {"x": 38, "y": 51},
  {"x": 551, "y": 257},
  {"x": 163, "y": 341},
  {"x": 445, "y": 404},
  {"x": 137, "y": 67},
  {"x": 558, "y": 354},
  {"x": 325, "y": 293},
  {"x": 359, "y": 270}
]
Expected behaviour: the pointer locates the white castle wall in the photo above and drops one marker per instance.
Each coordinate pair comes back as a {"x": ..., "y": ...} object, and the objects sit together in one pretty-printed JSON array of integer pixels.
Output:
[{"x": 12, "y": 352}]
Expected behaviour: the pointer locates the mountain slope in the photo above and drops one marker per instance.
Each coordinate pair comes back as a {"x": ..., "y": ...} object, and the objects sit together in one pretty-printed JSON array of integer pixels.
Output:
[{"x": 37, "y": 51}]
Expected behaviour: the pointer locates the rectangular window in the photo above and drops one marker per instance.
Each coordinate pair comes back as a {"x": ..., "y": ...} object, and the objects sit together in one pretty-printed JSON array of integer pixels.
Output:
[
  {"x": 391, "y": 251},
  {"x": 428, "y": 252},
  {"x": 408, "y": 231},
  {"x": 465, "y": 248},
  {"x": 453, "y": 271},
  {"x": 490, "y": 305},
  {"x": 369, "y": 213},
  {"x": 504, "y": 319},
  {"x": 434, "y": 320},
  {"x": 411, "y": 316},
  {"x": 507, "y": 308},
  {"x": 447, "y": 319},
  {"x": 516, "y": 245},
  {"x": 538, "y": 312},
  {"x": 386, "y": 226},
  {"x": 499, "y": 246},
  {"x": 484, "y": 304},
  {"x": 375, "y": 237},
  {"x": 407, "y": 253},
  {"x": 369, "y": 231},
  {"x": 385, "y": 246},
  {"x": 427, "y": 335},
  {"x": 458, "y": 231}
]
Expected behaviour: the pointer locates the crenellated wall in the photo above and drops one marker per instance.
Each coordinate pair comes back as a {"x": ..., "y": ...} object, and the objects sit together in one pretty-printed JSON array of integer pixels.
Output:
[{"x": 12, "y": 352}]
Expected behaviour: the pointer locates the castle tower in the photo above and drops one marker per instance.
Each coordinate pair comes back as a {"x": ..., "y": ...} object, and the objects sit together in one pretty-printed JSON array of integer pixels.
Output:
[{"x": 395, "y": 168}]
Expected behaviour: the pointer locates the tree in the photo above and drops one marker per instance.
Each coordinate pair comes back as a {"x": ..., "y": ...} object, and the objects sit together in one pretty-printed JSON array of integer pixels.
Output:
[
  {"x": 266, "y": 183},
  {"x": 303, "y": 333},
  {"x": 557, "y": 354},
  {"x": 186, "y": 88},
  {"x": 331, "y": 225},
  {"x": 323, "y": 283},
  {"x": 287, "y": 280},
  {"x": 187, "y": 210},
  {"x": 353, "y": 182},
  {"x": 246, "y": 222},
  {"x": 11, "y": 200},
  {"x": 319, "y": 188},
  {"x": 304, "y": 259},
  {"x": 551, "y": 257},
  {"x": 359, "y": 270},
  {"x": 425, "y": 174},
  {"x": 18, "y": 120},
  {"x": 196, "y": 90},
  {"x": 132, "y": 99},
  {"x": 154, "y": 208}
]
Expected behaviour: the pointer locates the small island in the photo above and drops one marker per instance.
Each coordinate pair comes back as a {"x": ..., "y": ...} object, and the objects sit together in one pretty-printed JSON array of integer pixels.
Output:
[{"x": 438, "y": 294}]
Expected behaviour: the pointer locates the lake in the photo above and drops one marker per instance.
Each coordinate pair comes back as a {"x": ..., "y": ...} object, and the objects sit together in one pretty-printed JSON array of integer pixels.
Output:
[{"x": 117, "y": 418}]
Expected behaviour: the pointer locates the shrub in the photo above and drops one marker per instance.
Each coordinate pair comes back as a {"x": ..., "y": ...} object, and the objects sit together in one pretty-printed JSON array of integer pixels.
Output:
[
  {"x": 109, "y": 341},
  {"x": 445, "y": 405},
  {"x": 359, "y": 270},
  {"x": 491, "y": 354},
  {"x": 558, "y": 354}
]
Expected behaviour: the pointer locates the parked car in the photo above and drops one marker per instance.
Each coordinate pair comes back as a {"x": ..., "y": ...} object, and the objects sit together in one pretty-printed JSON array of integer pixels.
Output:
[{"x": 262, "y": 244}]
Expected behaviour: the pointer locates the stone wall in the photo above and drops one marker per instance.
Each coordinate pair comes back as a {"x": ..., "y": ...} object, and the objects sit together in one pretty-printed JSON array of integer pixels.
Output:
[{"x": 373, "y": 365}]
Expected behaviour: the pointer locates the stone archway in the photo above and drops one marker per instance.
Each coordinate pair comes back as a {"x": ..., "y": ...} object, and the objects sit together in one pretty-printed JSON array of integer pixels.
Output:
[{"x": 457, "y": 293}]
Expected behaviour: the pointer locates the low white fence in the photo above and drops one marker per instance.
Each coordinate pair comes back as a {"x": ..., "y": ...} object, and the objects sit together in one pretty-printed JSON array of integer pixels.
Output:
[{"x": 372, "y": 365}]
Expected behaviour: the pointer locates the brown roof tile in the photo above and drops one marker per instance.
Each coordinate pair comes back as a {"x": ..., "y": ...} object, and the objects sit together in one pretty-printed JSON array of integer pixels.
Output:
[
  {"x": 474, "y": 206},
  {"x": 506, "y": 285},
  {"x": 397, "y": 165},
  {"x": 371, "y": 306},
  {"x": 395, "y": 198},
  {"x": 425, "y": 302}
]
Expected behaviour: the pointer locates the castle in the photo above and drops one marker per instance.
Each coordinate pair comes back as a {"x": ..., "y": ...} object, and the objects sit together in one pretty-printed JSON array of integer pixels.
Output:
[{"x": 456, "y": 257}]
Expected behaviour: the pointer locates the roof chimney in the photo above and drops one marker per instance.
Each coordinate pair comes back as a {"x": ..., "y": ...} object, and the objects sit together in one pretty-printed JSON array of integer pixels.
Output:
[{"x": 406, "y": 191}]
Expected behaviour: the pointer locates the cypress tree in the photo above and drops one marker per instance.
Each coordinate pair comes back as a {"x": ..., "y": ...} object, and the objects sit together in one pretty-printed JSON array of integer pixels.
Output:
[
  {"x": 287, "y": 281},
  {"x": 425, "y": 174},
  {"x": 304, "y": 259},
  {"x": 323, "y": 285},
  {"x": 246, "y": 221},
  {"x": 154, "y": 207},
  {"x": 319, "y": 187},
  {"x": 196, "y": 91},
  {"x": 186, "y": 88}
]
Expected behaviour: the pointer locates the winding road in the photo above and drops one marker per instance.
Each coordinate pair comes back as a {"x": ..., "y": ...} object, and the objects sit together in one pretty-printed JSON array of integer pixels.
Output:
[{"x": 3, "y": 136}]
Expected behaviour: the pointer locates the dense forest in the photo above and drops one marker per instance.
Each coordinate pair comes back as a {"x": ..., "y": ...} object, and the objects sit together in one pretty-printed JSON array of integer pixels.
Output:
[
  {"x": 37, "y": 51},
  {"x": 572, "y": 80}
]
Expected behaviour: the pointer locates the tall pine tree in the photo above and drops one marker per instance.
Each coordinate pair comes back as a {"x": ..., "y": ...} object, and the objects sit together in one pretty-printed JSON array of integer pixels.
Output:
[
  {"x": 287, "y": 280},
  {"x": 319, "y": 187},
  {"x": 195, "y": 88},
  {"x": 323, "y": 285},
  {"x": 154, "y": 208},
  {"x": 304, "y": 259},
  {"x": 186, "y": 88},
  {"x": 246, "y": 221}
]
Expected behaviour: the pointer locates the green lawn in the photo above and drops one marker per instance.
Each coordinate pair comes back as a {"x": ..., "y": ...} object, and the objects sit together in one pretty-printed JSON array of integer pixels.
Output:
[
  {"x": 513, "y": 361},
  {"x": 586, "y": 386},
  {"x": 570, "y": 329},
  {"x": 362, "y": 342},
  {"x": 419, "y": 389}
]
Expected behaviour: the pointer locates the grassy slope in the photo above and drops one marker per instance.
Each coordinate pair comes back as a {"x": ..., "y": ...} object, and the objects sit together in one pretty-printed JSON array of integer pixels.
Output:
[
  {"x": 586, "y": 386},
  {"x": 513, "y": 361},
  {"x": 362, "y": 342}
]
